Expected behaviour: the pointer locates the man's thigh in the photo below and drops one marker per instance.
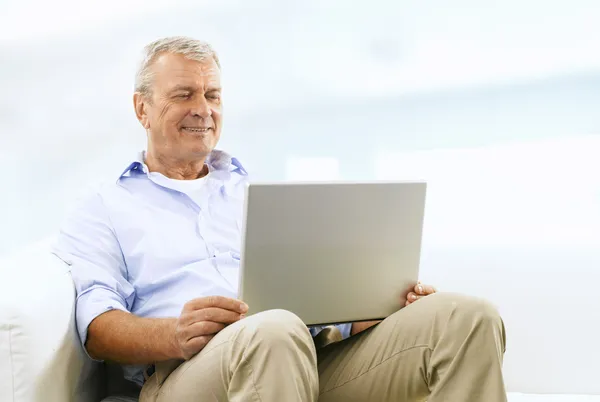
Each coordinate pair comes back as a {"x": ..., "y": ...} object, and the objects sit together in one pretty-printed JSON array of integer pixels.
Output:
[
  {"x": 390, "y": 361},
  {"x": 208, "y": 369},
  {"x": 363, "y": 367},
  {"x": 245, "y": 359}
]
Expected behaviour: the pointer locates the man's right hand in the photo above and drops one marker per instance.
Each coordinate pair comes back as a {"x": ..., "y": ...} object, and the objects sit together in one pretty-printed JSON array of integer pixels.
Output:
[{"x": 201, "y": 319}]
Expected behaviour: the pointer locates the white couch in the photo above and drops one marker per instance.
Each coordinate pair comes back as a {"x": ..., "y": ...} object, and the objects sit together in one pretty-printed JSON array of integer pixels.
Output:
[
  {"x": 40, "y": 356},
  {"x": 547, "y": 298}
]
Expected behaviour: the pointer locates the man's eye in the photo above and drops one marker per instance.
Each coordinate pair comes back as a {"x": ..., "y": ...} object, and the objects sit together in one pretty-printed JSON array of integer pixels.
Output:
[{"x": 183, "y": 96}]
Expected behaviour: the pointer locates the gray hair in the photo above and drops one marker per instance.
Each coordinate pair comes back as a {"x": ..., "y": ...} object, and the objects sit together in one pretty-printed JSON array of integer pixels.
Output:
[{"x": 192, "y": 49}]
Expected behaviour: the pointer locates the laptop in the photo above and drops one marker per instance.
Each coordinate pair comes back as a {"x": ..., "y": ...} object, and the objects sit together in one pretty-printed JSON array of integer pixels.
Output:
[{"x": 331, "y": 252}]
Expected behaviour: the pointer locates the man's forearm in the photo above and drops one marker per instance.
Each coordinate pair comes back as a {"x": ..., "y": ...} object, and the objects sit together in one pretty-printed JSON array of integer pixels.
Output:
[
  {"x": 361, "y": 326},
  {"x": 127, "y": 339}
]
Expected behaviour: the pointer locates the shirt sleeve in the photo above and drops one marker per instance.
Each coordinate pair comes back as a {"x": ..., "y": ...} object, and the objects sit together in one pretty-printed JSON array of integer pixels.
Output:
[
  {"x": 87, "y": 243},
  {"x": 345, "y": 330}
]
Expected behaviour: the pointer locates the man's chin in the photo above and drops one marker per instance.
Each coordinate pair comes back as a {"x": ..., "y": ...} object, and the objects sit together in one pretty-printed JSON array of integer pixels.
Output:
[{"x": 198, "y": 152}]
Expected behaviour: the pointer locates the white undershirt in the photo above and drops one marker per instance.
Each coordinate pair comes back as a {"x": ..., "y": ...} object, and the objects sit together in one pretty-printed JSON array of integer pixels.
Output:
[{"x": 195, "y": 189}]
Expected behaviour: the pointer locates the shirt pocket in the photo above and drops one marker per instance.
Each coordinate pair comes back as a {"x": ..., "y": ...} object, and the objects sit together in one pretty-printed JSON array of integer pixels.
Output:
[{"x": 226, "y": 224}]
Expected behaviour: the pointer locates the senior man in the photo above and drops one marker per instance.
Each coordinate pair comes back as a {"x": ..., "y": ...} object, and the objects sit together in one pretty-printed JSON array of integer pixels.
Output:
[{"x": 155, "y": 255}]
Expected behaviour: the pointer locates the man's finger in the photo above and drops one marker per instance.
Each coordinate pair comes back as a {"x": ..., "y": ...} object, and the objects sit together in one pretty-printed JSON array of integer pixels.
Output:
[
  {"x": 215, "y": 314},
  {"x": 412, "y": 296},
  {"x": 222, "y": 302},
  {"x": 424, "y": 290},
  {"x": 195, "y": 345},
  {"x": 202, "y": 328}
]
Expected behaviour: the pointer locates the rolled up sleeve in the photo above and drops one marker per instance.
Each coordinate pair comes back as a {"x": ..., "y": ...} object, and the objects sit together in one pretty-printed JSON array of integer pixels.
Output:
[
  {"x": 345, "y": 330},
  {"x": 93, "y": 302},
  {"x": 88, "y": 244}
]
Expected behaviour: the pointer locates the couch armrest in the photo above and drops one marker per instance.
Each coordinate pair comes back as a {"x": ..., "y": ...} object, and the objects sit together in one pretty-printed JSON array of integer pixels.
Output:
[{"x": 41, "y": 358}]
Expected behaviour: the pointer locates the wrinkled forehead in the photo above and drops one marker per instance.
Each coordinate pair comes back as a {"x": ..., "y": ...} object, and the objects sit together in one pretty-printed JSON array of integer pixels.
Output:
[{"x": 170, "y": 70}]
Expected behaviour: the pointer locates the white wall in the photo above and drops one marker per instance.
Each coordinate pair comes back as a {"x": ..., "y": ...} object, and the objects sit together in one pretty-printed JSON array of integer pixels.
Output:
[{"x": 359, "y": 135}]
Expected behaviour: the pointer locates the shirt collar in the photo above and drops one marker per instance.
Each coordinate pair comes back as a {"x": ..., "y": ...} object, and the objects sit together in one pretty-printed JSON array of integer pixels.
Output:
[{"x": 220, "y": 164}]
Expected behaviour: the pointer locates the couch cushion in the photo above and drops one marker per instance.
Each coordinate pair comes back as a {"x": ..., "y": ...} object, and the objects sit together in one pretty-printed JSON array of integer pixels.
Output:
[{"x": 40, "y": 357}]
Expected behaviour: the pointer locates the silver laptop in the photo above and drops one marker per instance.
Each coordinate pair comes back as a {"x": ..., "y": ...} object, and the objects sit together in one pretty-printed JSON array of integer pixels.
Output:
[{"x": 331, "y": 252}]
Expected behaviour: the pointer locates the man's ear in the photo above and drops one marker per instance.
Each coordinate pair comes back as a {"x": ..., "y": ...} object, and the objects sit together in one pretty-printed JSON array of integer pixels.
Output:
[{"x": 139, "y": 104}]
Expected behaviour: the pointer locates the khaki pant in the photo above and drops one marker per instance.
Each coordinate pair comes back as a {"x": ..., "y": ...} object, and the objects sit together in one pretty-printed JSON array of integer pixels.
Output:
[{"x": 444, "y": 347}]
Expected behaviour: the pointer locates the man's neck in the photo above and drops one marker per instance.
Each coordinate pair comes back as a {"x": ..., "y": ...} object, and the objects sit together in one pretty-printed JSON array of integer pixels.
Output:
[{"x": 177, "y": 169}]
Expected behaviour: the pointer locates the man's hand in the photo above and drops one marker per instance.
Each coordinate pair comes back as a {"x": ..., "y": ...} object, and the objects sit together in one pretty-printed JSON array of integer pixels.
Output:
[
  {"x": 201, "y": 319},
  {"x": 419, "y": 292}
]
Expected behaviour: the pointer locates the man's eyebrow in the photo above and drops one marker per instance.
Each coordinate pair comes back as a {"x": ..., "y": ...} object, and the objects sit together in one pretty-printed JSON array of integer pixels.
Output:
[
  {"x": 189, "y": 88},
  {"x": 182, "y": 88}
]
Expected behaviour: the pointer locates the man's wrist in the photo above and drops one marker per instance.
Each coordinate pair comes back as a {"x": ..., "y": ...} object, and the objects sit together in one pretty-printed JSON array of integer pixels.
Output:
[
  {"x": 361, "y": 326},
  {"x": 173, "y": 350}
]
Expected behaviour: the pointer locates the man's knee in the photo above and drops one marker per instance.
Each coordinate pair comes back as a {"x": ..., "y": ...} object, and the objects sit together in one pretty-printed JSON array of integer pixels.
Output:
[
  {"x": 277, "y": 320},
  {"x": 468, "y": 308},
  {"x": 472, "y": 312},
  {"x": 466, "y": 311},
  {"x": 279, "y": 326}
]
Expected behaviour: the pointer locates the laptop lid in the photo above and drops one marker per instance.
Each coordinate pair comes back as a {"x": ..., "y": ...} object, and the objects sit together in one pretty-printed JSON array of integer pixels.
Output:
[{"x": 331, "y": 252}]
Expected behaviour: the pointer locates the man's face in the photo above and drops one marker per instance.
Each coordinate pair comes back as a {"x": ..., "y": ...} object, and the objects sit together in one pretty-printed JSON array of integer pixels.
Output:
[{"x": 184, "y": 114}]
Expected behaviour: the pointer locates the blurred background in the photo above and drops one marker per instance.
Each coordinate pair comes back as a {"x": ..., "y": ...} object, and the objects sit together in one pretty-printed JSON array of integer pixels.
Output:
[{"x": 496, "y": 104}]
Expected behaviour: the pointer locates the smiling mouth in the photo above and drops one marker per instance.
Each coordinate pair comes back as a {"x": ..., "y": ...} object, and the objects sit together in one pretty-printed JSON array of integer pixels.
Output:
[{"x": 197, "y": 129}]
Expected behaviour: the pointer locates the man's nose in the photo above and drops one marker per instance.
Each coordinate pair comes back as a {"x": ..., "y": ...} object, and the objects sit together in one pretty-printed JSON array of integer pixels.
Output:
[{"x": 202, "y": 109}]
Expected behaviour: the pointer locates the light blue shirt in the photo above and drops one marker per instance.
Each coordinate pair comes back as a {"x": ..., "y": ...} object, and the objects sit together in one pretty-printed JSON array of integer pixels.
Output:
[{"x": 142, "y": 245}]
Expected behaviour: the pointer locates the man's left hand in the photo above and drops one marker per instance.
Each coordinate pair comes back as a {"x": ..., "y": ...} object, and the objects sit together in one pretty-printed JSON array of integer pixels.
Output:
[{"x": 419, "y": 292}]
